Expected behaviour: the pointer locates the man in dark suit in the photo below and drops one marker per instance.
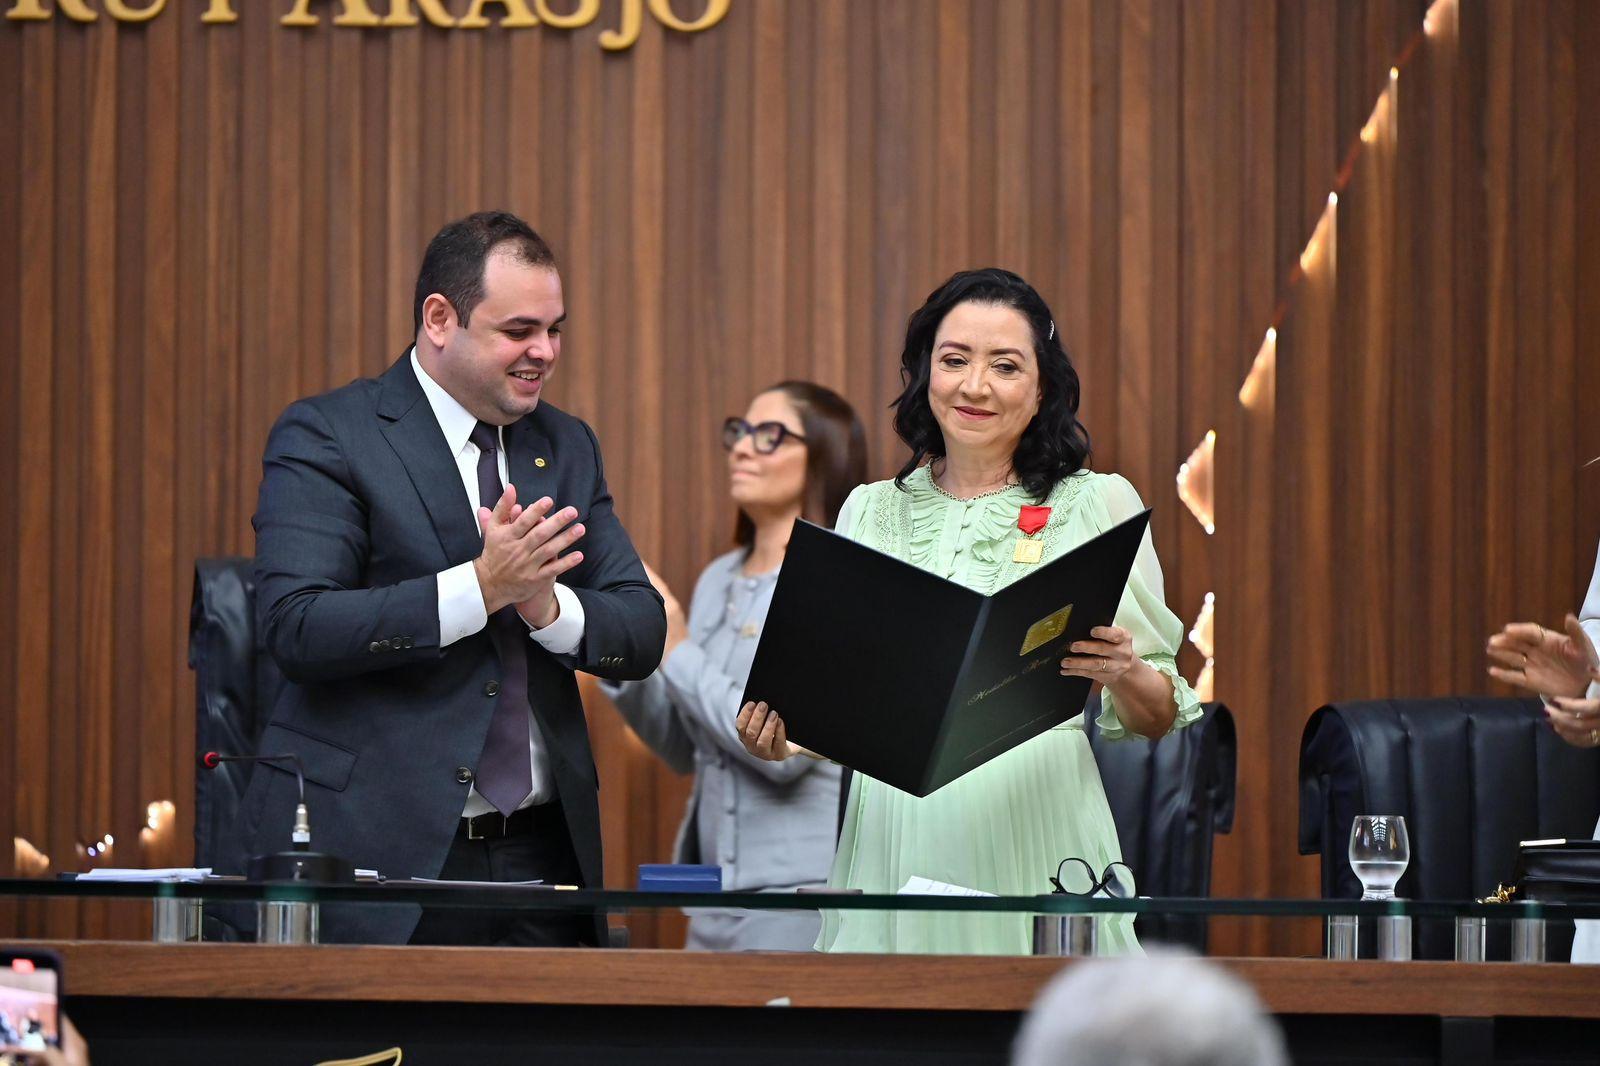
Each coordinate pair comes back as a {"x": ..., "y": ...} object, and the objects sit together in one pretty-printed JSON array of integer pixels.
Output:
[{"x": 436, "y": 553}]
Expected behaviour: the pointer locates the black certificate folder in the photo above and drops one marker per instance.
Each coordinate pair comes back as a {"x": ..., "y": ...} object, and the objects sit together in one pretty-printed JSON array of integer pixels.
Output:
[{"x": 915, "y": 680}]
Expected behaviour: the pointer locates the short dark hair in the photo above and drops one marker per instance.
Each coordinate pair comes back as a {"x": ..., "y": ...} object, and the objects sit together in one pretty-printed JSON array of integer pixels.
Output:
[
  {"x": 453, "y": 264},
  {"x": 1055, "y": 444},
  {"x": 836, "y": 454}
]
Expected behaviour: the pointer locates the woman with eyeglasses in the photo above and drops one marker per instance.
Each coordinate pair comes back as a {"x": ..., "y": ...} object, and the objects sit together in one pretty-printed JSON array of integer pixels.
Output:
[
  {"x": 797, "y": 453},
  {"x": 997, "y": 484}
]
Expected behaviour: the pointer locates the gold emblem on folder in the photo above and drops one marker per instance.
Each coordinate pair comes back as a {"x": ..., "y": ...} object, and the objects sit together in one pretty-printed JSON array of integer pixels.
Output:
[{"x": 1046, "y": 629}]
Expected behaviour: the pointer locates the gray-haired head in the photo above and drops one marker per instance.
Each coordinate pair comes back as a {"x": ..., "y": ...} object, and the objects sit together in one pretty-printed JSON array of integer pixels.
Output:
[{"x": 1164, "y": 1010}]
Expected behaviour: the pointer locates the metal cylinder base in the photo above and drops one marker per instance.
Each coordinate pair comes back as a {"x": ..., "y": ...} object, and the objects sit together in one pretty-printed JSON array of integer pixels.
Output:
[
  {"x": 175, "y": 921},
  {"x": 1471, "y": 939},
  {"x": 1067, "y": 935},
  {"x": 1527, "y": 940},
  {"x": 1394, "y": 938},
  {"x": 287, "y": 922},
  {"x": 1343, "y": 938}
]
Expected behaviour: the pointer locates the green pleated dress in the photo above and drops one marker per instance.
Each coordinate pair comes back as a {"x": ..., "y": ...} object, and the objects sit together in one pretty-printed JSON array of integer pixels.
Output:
[{"x": 1005, "y": 826}]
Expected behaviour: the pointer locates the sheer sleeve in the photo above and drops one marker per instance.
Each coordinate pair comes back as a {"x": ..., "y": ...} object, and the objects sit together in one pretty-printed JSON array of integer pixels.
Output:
[
  {"x": 1143, "y": 612},
  {"x": 855, "y": 505}
]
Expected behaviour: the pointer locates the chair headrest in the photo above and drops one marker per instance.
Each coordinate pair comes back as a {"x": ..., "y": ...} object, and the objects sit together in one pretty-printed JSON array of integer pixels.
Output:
[{"x": 223, "y": 601}]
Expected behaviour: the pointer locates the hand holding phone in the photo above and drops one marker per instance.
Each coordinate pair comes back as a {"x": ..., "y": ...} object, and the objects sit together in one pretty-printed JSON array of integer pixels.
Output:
[{"x": 30, "y": 1000}]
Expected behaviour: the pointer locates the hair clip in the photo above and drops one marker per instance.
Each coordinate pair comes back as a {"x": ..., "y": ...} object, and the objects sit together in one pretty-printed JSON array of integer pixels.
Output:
[{"x": 1052, "y": 335}]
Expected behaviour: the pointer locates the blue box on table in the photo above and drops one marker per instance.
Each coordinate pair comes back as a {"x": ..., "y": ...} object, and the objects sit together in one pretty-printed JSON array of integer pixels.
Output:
[{"x": 679, "y": 877}]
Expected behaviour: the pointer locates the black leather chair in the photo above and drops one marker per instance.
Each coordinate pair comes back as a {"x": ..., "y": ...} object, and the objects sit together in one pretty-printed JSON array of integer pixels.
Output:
[
  {"x": 1169, "y": 797},
  {"x": 1472, "y": 776},
  {"x": 235, "y": 685}
]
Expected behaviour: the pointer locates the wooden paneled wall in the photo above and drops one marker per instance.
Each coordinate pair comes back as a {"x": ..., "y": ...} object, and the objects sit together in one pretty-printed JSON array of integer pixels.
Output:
[
  {"x": 1412, "y": 474},
  {"x": 210, "y": 221}
]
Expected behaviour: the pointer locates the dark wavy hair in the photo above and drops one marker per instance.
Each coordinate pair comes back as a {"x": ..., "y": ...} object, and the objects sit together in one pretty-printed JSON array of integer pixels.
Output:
[
  {"x": 836, "y": 454},
  {"x": 1055, "y": 444}
]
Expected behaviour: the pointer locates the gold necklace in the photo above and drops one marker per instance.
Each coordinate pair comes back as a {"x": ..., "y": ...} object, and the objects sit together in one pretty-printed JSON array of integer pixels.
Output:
[{"x": 941, "y": 490}]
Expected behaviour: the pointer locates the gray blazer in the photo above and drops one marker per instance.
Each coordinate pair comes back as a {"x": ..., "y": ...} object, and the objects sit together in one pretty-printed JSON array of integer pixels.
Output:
[{"x": 767, "y": 824}]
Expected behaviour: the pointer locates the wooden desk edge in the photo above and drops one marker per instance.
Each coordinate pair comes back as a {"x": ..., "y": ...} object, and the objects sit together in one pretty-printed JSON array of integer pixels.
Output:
[{"x": 691, "y": 979}]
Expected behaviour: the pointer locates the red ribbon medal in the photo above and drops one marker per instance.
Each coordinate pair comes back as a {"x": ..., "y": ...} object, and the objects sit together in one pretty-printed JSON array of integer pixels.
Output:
[{"x": 1030, "y": 520}]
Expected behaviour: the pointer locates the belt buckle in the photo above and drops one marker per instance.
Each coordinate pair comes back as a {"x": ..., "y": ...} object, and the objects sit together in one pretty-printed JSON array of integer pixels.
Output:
[{"x": 472, "y": 826}]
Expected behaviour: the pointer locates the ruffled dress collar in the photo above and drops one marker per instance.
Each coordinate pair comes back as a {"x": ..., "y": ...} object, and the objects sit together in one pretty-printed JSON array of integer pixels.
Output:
[{"x": 985, "y": 526}]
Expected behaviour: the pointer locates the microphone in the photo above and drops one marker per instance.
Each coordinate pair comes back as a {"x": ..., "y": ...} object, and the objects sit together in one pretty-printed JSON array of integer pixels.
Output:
[
  {"x": 300, "y": 863},
  {"x": 300, "y": 839}
]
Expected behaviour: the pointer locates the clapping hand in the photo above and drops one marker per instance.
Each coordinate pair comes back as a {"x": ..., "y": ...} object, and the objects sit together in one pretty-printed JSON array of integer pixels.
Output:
[
  {"x": 521, "y": 557},
  {"x": 1541, "y": 660},
  {"x": 1575, "y": 721}
]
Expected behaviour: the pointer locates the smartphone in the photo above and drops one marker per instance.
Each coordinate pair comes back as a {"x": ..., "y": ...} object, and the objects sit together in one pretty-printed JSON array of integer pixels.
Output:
[{"x": 30, "y": 1000}]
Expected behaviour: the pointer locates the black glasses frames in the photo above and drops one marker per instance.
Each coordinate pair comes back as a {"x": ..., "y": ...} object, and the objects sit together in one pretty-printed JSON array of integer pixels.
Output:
[
  {"x": 765, "y": 437},
  {"x": 1075, "y": 877}
]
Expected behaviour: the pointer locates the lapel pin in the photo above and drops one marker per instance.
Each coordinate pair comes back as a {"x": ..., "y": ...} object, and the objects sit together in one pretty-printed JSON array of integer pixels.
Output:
[{"x": 539, "y": 462}]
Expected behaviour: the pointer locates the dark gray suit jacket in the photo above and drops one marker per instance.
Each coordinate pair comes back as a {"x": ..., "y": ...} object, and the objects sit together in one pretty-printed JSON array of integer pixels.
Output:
[{"x": 361, "y": 506}]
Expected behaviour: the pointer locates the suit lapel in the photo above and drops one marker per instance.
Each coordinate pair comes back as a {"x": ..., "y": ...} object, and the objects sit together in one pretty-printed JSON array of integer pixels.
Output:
[
  {"x": 413, "y": 432},
  {"x": 526, "y": 447}
]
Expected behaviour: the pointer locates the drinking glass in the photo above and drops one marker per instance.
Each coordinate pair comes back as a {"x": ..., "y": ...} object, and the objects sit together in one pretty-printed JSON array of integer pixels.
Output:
[{"x": 1379, "y": 853}]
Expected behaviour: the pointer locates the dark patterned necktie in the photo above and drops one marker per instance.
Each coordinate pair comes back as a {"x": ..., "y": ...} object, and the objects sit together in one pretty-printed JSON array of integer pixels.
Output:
[{"x": 505, "y": 773}]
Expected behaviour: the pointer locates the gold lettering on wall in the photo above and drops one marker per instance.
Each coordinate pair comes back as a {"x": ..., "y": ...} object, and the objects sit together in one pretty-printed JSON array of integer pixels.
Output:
[
  {"x": 27, "y": 11},
  {"x": 352, "y": 13},
  {"x": 517, "y": 15},
  {"x": 587, "y": 11},
  {"x": 714, "y": 13},
  {"x": 514, "y": 14},
  {"x": 433, "y": 10},
  {"x": 35, "y": 11},
  {"x": 119, "y": 10},
  {"x": 624, "y": 35}
]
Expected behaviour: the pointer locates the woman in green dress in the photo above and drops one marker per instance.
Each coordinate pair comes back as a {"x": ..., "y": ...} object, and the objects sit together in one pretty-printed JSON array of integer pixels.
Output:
[{"x": 990, "y": 412}]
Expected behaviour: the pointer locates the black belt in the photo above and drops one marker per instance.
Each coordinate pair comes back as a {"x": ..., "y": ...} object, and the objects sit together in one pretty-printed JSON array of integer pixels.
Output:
[{"x": 494, "y": 825}]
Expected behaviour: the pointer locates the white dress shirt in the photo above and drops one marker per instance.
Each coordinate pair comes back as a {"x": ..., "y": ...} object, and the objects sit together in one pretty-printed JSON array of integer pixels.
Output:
[
  {"x": 1586, "y": 943},
  {"x": 1589, "y": 616},
  {"x": 461, "y": 608}
]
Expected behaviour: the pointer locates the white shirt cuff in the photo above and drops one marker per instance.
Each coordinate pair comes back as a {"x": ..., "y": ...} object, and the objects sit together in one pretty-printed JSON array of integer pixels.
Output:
[
  {"x": 562, "y": 636},
  {"x": 461, "y": 611}
]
